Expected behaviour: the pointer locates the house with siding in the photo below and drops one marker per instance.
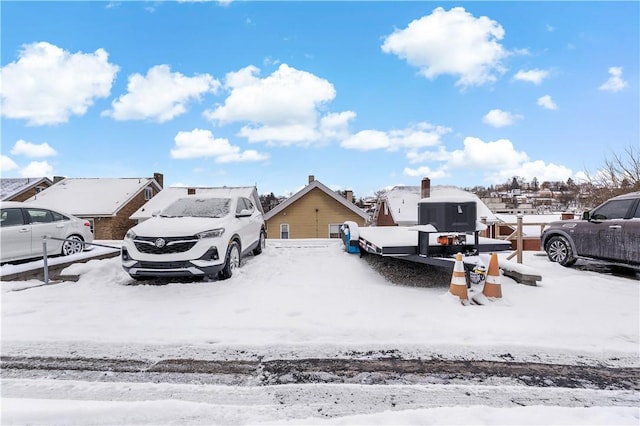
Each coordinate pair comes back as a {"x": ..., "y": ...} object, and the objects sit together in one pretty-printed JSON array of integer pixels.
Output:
[
  {"x": 20, "y": 189},
  {"x": 105, "y": 202},
  {"x": 313, "y": 212},
  {"x": 399, "y": 205}
]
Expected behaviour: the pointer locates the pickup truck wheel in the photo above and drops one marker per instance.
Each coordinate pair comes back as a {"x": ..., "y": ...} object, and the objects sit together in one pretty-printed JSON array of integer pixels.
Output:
[
  {"x": 232, "y": 261},
  {"x": 559, "y": 250},
  {"x": 261, "y": 244}
]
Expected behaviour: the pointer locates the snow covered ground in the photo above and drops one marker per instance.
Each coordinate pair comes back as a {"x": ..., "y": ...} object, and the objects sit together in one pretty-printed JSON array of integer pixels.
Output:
[{"x": 309, "y": 298}]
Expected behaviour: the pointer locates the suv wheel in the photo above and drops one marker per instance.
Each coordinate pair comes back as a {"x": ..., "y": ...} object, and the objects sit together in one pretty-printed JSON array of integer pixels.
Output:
[
  {"x": 559, "y": 250},
  {"x": 232, "y": 261},
  {"x": 261, "y": 243}
]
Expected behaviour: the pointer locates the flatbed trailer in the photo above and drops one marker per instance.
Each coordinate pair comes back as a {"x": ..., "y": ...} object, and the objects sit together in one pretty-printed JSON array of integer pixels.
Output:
[{"x": 423, "y": 244}]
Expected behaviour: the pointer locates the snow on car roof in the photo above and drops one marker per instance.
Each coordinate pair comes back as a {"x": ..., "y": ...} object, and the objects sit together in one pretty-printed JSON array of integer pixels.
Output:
[{"x": 171, "y": 194}]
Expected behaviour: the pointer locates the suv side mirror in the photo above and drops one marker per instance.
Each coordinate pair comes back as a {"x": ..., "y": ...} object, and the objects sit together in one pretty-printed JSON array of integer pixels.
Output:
[
  {"x": 585, "y": 215},
  {"x": 244, "y": 213}
]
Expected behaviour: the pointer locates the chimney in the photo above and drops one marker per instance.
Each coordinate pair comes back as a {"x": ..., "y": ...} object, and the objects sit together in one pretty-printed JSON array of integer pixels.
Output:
[
  {"x": 311, "y": 178},
  {"x": 425, "y": 188},
  {"x": 57, "y": 179},
  {"x": 159, "y": 177},
  {"x": 349, "y": 195},
  {"x": 191, "y": 191}
]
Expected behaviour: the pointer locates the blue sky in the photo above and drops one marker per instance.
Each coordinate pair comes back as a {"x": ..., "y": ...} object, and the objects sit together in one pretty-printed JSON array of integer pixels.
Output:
[{"x": 362, "y": 95}]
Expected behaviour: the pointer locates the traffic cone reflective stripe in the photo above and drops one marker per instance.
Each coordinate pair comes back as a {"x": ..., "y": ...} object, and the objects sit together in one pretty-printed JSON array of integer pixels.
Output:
[
  {"x": 492, "y": 287},
  {"x": 458, "y": 285}
]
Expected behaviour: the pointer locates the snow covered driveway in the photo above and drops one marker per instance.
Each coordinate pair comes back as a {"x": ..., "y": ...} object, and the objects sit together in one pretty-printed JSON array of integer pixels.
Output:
[{"x": 304, "y": 300}]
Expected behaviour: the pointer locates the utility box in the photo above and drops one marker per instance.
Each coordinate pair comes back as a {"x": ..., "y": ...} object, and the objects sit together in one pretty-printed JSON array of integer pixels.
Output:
[{"x": 448, "y": 216}]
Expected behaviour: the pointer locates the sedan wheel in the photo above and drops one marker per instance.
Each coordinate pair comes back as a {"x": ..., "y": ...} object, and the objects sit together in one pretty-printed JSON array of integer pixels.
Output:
[
  {"x": 72, "y": 245},
  {"x": 559, "y": 250}
]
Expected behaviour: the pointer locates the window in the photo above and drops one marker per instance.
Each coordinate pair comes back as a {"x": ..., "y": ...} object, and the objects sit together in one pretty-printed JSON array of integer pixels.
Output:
[
  {"x": 615, "y": 209},
  {"x": 244, "y": 204},
  {"x": 148, "y": 193},
  {"x": 284, "y": 231},
  {"x": 58, "y": 217},
  {"x": 40, "y": 216},
  {"x": 334, "y": 230},
  {"x": 11, "y": 217},
  {"x": 637, "y": 214}
]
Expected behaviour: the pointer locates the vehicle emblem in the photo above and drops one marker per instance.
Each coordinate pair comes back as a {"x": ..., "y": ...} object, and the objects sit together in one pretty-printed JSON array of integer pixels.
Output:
[{"x": 160, "y": 242}]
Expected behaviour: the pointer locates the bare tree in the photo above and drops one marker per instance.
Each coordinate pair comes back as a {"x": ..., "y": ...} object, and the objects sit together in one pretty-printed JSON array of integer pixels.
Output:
[{"x": 619, "y": 175}]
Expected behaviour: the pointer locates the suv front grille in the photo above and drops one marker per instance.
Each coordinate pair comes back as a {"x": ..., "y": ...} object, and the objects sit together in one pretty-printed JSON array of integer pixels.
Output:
[
  {"x": 171, "y": 244},
  {"x": 164, "y": 265}
]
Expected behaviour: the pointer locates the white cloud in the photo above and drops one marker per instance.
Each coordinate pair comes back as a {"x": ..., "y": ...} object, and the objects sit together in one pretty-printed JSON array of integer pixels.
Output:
[
  {"x": 37, "y": 169},
  {"x": 33, "y": 150},
  {"x": 283, "y": 108},
  {"x": 160, "y": 95},
  {"x": 426, "y": 171},
  {"x": 201, "y": 143},
  {"x": 615, "y": 83},
  {"x": 499, "y": 118},
  {"x": 546, "y": 102},
  {"x": 418, "y": 136},
  {"x": 414, "y": 156},
  {"x": 499, "y": 161},
  {"x": 7, "y": 164},
  {"x": 335, "y": 126},
  {"x": 532, "y": 76},
  {"x": 487, "y": 155},
  {"x": 453, "y": 42},
  {"x": 530, "y": 169},
  {"x": 47, "y": 84}
]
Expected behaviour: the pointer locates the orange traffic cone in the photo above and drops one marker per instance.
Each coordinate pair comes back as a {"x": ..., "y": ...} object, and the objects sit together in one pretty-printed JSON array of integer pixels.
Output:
[
  {"x": 458, "y": 285},
  {"x": 492, "y": 286}
]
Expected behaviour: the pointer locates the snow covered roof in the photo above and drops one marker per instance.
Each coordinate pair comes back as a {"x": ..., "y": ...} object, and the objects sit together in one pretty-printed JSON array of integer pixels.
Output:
[
  {"x": 169, "y": 195},
  {"x": 11, "y": 187},
  {"x": 315, "y": 184},
  {"x": 403, "y": 202},
  {"x": 92, "y": 196}
]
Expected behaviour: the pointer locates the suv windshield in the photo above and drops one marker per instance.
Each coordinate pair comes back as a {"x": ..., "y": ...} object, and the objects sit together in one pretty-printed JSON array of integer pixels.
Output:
[{"x": 198, "y": 207}]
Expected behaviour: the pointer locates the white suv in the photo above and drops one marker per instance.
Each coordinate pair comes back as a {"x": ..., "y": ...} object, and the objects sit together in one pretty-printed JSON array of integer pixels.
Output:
[{"x": 195, "y": 236}]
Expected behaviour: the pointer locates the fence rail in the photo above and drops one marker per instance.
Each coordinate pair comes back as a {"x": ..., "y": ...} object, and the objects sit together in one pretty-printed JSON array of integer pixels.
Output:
[
  {"x": 45, "y": 256},
  {"x": 516, "y": 235}
]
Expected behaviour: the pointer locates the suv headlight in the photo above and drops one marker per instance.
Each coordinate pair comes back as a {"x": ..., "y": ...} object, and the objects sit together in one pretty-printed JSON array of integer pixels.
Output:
[
  {"x": 213, "y": 233},
  {"x": 130, "y": 235}
]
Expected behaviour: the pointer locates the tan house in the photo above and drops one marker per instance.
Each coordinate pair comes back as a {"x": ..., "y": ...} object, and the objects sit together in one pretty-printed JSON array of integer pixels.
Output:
[
  {"x": 105, "y": 202},
  {"x": 313, "y": 212},
  {"x": 21, "y": 189}
]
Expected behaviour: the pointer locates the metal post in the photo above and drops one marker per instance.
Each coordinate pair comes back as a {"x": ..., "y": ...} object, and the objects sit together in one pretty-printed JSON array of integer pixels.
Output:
[
  {"x": 520, "y": 248},
  {"x": 44, "y": 258}
]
